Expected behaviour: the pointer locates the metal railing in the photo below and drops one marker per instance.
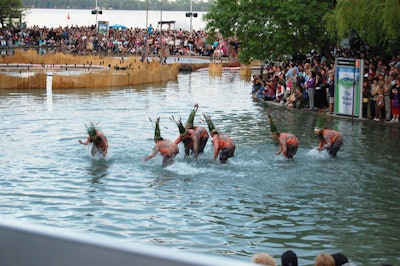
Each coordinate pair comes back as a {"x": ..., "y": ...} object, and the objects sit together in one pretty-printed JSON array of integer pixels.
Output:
[{"x": 36, "y": 245}]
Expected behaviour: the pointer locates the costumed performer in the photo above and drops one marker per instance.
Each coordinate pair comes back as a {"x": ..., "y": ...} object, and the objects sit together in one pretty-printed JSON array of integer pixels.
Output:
[
  {"x": 166, "y": 148},
  {"x": 329, "y": 139},
  {"x": 98, "y": 139},
  {"x": 288, "y": 143},
  {"x": 223, "y": 144},
  {"x": 194, "y": 138}
]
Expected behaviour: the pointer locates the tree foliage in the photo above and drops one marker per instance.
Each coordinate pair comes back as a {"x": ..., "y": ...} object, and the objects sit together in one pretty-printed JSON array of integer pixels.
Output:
[
  {"x": 9, "y": 10},
  {"x": 269, "y": 30},
  {"x": 376, "y": 21}
]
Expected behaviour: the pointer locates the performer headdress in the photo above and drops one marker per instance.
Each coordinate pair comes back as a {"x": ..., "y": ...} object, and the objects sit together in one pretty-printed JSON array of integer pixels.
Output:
[
  {"x": 190, "y": 121},
  {"x": 274, "y": 129},
  {"x": 157, "y": 133},
  {"x": 210, "y": 124},
  {"x": 320, "y": 123},
  {"x": 91, "y": 129},
  {"x": 182, "y": 129}
]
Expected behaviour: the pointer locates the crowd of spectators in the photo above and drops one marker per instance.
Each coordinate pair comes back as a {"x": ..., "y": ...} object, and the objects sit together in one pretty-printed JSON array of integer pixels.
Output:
[
  {"x": 305, "y": 82},
  {"x": 310, "y": 83},
  {"x": 88, "y": 40}
]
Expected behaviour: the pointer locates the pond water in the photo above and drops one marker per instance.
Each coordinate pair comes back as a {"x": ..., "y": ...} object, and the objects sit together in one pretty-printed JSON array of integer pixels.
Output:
[{"x": 257, "y": 202}]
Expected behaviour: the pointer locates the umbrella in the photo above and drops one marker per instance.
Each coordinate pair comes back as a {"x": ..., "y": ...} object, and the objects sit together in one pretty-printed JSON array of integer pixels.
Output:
[{"x": 118, "y": 26}]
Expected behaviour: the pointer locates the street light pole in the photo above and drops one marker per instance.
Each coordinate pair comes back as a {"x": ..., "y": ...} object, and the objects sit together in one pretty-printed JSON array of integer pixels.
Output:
[
  {"x": 161, "y": 17},
  {"x": 147, "y": 14},
  {"x": 191, "y": 16},
  {"x": 97, "y": 11}
]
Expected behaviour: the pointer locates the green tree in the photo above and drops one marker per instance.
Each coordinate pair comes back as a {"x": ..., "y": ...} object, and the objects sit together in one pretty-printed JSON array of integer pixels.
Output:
[
  {"x": 269, "y": 30},
  {"x": 9, "y": 10},
  {"x": 377, "y": 22}
]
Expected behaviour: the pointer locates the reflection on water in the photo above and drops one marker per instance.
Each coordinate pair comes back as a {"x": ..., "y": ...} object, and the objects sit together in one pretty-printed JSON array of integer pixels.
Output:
[{"x": 258, "y": 202}]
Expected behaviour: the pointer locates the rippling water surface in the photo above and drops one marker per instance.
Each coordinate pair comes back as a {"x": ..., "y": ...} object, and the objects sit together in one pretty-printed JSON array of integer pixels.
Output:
[{"x": 258, "y": 202}]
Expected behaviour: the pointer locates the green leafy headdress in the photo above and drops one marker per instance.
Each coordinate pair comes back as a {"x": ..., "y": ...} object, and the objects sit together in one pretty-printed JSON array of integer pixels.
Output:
[
  {"x": 274, "y": 129},
  {"x": 182, "y": 129},
  {"x": 210, "y": 124},
  {"x": 91, "y": 129},
  {"x": 320, "y": 123},
  {"x": 190, "y": 121},
  {"x": 157, "y": 134}
]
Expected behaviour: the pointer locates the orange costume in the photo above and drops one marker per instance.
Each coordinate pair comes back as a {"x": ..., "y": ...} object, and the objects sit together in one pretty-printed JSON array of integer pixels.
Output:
[
  {"x": 330, "y": 140},
  {"x": 224, "y": 146},
  {"x": 166, "y": 148},
  {"x": 194, "y": 138},
  {"x": 288, "y": 144}
]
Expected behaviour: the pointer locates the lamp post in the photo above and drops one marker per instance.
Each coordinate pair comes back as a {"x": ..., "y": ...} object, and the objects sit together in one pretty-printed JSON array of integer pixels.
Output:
[
  {"x": 191, "y": 14},
  {"x": 147, "y": 14},
  {"x": 161, "y": 16},
  {"x": 97, "y": 11}
]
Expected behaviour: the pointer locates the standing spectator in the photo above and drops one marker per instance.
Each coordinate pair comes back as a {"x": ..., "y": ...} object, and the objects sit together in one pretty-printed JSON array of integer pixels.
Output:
[
  {"x": 320, "y": 92},
  {"x": 331, "y": 91},
  {"x": 387, "y": 90},
  {"x": 379, "y": 105},
  {"x": 310, "y": 85},
  {"x": 374, "y": 96},
  {"x": 366, "y": 92},
  {"x": 396, "y": 102}
]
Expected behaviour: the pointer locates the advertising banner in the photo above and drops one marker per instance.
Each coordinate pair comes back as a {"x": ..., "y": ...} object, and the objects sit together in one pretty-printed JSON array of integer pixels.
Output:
[
  {"x": 103, "y": 26},
  {"x": 348, "y": 86}
]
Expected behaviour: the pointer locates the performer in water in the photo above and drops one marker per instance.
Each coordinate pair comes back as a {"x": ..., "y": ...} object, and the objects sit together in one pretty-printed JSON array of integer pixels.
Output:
[
  {"x": 166, "y": 148},
  {"x": 329, "y": 139},
  {"x": 98, "y": 139},
  {"x": 288, "y": 143},
  {"x": 224, "y": 146},
  {"x": 194, "y": 138}
]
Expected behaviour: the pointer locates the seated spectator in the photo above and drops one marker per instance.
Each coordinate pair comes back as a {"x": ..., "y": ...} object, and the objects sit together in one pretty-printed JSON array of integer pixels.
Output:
[
  {"x": 340, "y": 259},
  {"x": 269, "y": 93},
  {"x": 263, "y": 259},
  {"x": 280, "y": 92},
  {"x": 296, "y": 100},
  {"x": 324, "y": 259}
]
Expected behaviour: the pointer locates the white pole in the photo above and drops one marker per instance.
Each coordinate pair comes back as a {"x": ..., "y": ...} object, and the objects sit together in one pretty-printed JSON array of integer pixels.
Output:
[
  {"x": 49, "y": 83},
  {"x": 97, "y": 11},
  {"x": 191, "y": 16},
  {"x": 147, "y": 14},
  {"x": 161, "y": 17},
  {"x": 49, "y": 90}
]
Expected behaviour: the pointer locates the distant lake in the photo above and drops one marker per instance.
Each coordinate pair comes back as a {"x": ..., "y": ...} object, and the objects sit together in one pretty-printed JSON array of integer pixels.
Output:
[{"x": 128, "y": 18}]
